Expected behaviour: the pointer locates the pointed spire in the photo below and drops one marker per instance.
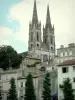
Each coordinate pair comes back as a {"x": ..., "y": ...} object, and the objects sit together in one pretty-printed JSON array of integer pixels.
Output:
[
  {"x": 48, "y": 19},
  {"x": 35, "y": 18}
]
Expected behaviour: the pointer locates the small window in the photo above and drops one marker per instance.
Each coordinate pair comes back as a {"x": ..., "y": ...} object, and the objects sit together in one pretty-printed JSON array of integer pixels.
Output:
[
  {"x": 45, "y": 39},
  {"x": 51, "y": 48},
  {"x": 31, "y": 37},
  {"x": 73, "y": 79},
  {"x": 37, "y": 45},
  {"x": 31, "y": 45},
  {"x": 21, "y": 84},
  {"x": 70, "y": 53},
  {"x": 37, "y": 36},
  {"x": 73, "y": 68},
  {"x": 51, "y": 40},
  {"x": 65, "y": 53},
  {"x": 52, "y": 68},
  {"x": 61, "y": 54},
  {"x": 65, "y": 69}
]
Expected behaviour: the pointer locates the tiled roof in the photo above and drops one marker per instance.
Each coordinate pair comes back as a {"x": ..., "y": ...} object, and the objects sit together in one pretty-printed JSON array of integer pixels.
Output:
[{"x": 67, "y": 62}]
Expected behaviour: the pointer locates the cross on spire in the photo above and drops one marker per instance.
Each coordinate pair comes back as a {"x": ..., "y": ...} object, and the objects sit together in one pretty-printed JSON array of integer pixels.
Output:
[
  {"x": 35, "y": 17},
  {"x": 48, "y": 19}
]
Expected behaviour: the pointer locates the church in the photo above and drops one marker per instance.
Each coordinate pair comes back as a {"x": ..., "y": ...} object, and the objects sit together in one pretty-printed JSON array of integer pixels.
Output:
[
  {"x": 39, "y": 60},
  {"x": 43, "y": 49}
]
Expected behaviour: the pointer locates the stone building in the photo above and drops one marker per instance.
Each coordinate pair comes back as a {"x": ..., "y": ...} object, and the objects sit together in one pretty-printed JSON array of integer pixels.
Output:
[
  {"x": 28, "y": 65},
  {"x": 66, "y": 69},
  {"x": 44, "y": 50},
  {"x": 65, "y": 53}
]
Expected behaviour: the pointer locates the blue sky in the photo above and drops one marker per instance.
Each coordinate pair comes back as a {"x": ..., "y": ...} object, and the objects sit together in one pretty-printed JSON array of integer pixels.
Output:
[
  {"x": 5, "y": 6},
  {"x": 15, "y": 16}
]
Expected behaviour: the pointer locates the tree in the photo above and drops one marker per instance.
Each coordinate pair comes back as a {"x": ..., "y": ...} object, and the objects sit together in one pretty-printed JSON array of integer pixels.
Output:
[
  {"x": 12, "y": 95},
  {"x": 9, "y": 58},
  {"x": 46, "y": 94},
  {"x": 29, "y": 89},
  {"x": 67, "y": 90}
]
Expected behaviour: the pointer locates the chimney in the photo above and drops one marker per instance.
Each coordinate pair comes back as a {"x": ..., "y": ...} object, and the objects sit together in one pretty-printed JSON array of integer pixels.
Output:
[
  {"x": 61, "y": 46},
  {"x": 71, "y": 45}
]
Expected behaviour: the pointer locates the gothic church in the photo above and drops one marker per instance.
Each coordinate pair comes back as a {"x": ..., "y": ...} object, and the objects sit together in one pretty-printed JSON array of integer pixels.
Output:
[{"x": 44, "y": 50}]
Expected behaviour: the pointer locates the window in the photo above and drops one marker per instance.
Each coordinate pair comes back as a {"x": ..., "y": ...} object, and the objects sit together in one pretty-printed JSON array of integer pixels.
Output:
[
  {"x": 73, "y": 68},
  {"x": 45, "y": 39},
  {"x": 21, "y": 84},
  {"x": 52, "y": 68},
  {"x": 45, "y": 58},
  {"x": 61, "y": 54},
  {"x": 31, "y": 36},
  {"x": 51, "y": 48},
  {"x": 31, "y": 45},
  {"x": 65, "y": 53},
  {"x": 37, "y": 45},
  {"x": 70, "y": 53},
  {"x": 65, "y": 69},
  {"x": 51, "y": 40},
  {"x": 37, "y": 36},
  {"x": 73, "y": 79}
]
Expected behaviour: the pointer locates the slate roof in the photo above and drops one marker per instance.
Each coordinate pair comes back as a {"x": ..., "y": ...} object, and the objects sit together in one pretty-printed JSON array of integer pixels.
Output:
[{"x": 67, "y": 63}]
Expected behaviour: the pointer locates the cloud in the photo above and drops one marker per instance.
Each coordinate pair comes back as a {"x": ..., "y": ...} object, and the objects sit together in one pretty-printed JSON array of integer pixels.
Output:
[
  {"x": 5, "y": 31},
  {"x": 21, "y": 13},
  {"x": 5, "y": 35},
  {"x": 61, "y": 16}
]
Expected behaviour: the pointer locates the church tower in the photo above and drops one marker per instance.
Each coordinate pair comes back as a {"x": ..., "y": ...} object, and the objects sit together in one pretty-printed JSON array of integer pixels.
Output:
[
  {"x": 48, "y": 35},
  {"x": 34, "y": 43}
]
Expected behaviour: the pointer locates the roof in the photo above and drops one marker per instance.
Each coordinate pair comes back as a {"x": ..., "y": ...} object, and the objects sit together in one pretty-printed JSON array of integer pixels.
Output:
[
  {"x": 67, "y": 63},
  {"x": 32, "y": 58}
]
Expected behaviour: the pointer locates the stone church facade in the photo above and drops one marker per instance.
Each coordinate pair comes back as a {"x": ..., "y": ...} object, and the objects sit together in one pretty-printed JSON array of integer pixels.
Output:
[{"x": 44, "y": 50}]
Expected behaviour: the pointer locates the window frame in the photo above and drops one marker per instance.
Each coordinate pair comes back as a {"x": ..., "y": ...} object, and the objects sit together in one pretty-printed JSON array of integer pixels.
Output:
[{"x": 66, "y": 71}]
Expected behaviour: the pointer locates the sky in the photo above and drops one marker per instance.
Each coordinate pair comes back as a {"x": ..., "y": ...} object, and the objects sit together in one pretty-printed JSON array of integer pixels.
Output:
[{"x": 15, "y": 16}]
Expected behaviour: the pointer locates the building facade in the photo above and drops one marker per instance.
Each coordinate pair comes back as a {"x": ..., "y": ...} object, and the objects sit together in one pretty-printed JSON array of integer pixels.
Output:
[
  {"x": 44, "y": 50},
  {"x": 66, "y": 70},
  {"x": 65, "y": 53},
  {"x": 28, "y": 65}
]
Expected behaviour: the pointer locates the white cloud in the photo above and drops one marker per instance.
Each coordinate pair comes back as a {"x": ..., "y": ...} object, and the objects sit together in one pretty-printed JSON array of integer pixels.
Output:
[
  {"x": 4, "y": 42},
  {"x": 5, "y": 31},
  {"x": 5, "y": 35},
  {"x": 61, "y": 16}
]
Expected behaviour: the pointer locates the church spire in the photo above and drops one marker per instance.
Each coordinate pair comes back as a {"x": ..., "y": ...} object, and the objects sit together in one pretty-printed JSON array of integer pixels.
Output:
[
  {"x": 35, "y": 17},
  {"x": 48, "y": 19}
]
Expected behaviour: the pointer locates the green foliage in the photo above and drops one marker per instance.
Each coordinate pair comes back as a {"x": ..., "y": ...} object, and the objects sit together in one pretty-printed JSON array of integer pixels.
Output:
[
  {"x": 29, "y": 89},
  {"x": 67, "y": 90},
  {"x": 12, "y": 91},
  {"x": 9, "y": 57},
  {"x": 46, "y": 94}
]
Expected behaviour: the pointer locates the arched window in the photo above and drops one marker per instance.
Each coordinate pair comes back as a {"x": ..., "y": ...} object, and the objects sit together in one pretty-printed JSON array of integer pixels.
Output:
[
  {"x": 31, "y": 45},
  {"x": 51, "y": 48},
  {"x": 45, "y": 39},
  {"x": 51, "y": 40},
  {"x": 38, "y": 45},
  {"x": 37, "y": 36},
  {"x": 31, "y": 37}
]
